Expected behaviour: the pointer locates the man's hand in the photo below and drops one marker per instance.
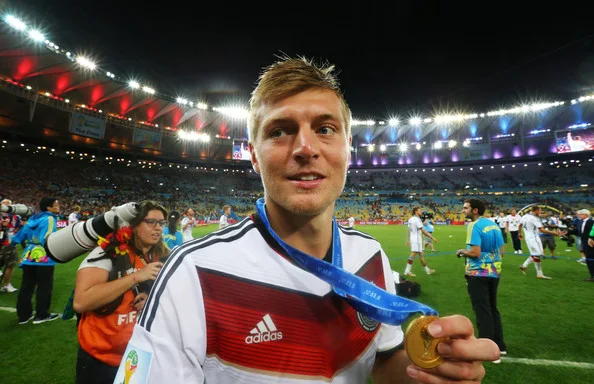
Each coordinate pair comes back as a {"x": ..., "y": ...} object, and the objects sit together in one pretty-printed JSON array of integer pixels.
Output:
[{"x": 463, "y": 353}]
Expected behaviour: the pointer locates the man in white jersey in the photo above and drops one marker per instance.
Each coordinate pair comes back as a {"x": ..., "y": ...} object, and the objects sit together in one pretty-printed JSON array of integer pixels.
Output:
[
  {"x": 512, "y": 224},
  {"x": 532, "y": 225},
  {"x": 415, "y": 241},
  {"x": 237, "y": 307},
  {"x": 74, "y": 217},
  {"x": 224, "y": 220},
  {"x": 187, "y": 225},
  {"x": 351, "y": 221}
]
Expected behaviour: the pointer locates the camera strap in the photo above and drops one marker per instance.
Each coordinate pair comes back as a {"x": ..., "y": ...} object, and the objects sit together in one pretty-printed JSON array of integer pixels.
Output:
[{"x": 362, "y": 295}]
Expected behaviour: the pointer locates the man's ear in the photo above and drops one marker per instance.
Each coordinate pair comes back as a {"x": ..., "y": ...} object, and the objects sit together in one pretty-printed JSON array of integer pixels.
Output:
[{"x": 255, "y": 164}]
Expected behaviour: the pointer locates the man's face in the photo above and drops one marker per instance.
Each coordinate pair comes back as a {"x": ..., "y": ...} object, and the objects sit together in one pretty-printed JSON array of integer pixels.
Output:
[
  {"x": 467, "y": 211},
  {"x": 302, "y": 152},
  {"x": 55, "y": 207}
]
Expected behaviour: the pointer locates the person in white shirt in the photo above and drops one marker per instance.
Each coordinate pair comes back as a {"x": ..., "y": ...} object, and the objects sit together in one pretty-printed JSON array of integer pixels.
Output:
[
  {"x": 415, "y": 241},
  {"x": 512, "y": 224},
  {"x": 501, "y": 220},
  {"x": 532, "y": 225},
  {"x": 351, "y": 221},
  {"x": 187, "y": 225},
  {"x": 74, "y": 217},
  {"x": 224, "y": 220}
]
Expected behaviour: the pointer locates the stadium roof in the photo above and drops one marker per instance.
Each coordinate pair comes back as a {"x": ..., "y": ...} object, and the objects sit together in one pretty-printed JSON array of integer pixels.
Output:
[{"x": 45, "y": 69}]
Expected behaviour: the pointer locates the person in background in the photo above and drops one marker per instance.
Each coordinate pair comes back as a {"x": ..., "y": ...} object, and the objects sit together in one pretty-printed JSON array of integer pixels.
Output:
[
  {"x": 187, "y": 225},
  {"x": 501, "y": 220},
  {"x": 224, "y": 220},
  {"x": 74, "y": 217},
  {"x": 38, "y": 268},
  {"x": 483, "y": 254},
  {"x": 415, "y": 242},
  {"x": 171, "y": 235},
  {"x": 351, "y": 222},
  {"x": 512, "y": 224},
  {"x": 428, "y": 240},
  {"x": 532, "y": 226},
  {"x": 111, "y": 290},
  {"x": 9, "y": 257}
]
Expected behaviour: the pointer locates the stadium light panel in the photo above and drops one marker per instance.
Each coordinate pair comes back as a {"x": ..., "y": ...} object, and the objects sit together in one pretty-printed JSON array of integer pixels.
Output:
[{"x": 16, "y": 23}]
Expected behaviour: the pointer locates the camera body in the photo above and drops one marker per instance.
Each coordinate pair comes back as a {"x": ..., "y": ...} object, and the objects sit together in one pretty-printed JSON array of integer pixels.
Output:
[
  {"x": 75, "y": 240},
  {"x": 425, "y": 215}
]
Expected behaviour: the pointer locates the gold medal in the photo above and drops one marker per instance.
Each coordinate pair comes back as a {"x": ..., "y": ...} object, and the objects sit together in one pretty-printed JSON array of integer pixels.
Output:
[{"x": 420, "y": 346}]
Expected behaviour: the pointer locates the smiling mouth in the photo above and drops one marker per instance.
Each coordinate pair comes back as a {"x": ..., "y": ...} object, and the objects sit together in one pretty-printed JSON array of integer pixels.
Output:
[{"x": 306, "y": 178}]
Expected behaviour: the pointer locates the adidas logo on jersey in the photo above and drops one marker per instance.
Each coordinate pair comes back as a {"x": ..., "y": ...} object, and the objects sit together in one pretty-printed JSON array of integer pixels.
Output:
[{"x": 265, "y": 331}]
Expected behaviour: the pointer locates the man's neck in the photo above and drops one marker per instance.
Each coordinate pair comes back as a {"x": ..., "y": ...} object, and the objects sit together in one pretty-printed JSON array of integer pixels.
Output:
[{"x": 309, "y": 234}]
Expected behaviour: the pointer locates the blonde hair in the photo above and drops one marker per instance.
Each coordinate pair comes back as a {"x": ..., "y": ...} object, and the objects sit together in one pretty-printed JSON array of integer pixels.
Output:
[{"x": 288, "y": 77}]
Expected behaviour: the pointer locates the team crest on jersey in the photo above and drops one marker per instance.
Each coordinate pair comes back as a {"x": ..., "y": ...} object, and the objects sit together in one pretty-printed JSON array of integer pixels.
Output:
[{"x": 367, "y": 323}]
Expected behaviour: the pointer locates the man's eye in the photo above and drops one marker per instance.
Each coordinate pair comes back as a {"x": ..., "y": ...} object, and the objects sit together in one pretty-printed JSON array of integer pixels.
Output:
[
  {"x": 276, "y": 132},
  {"x": 326, "y": 130}
]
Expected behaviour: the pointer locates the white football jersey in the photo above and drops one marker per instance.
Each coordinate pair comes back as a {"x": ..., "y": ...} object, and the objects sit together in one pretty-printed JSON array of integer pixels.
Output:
[
  {"x": 414, "y": 229},
  {"x": 530, "y": 224},
  {"x": 231, "y": 307}
]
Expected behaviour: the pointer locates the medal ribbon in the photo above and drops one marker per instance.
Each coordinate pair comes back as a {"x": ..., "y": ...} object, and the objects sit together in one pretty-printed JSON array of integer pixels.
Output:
[{"x": 362, "y": 295}]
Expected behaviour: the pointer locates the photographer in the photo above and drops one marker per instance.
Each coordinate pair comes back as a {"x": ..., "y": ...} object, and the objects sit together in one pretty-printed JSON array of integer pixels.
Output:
[
  {"x": 547, "y": 239},
  {"x": 38, "y": 268},
  {"x": 428, "y": 226},
  {"x": 110, "y": 293},
  {"x": 8, "y": 255}
]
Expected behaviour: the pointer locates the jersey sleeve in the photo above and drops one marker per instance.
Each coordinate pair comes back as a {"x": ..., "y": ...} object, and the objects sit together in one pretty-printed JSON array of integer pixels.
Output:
[
  {"x": 389, "y": 336},
  {"x": 169, "y": 339}
]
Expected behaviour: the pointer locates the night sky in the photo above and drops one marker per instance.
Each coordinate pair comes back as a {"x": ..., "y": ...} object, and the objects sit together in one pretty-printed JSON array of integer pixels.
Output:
[{"x": 394, "y": 57}]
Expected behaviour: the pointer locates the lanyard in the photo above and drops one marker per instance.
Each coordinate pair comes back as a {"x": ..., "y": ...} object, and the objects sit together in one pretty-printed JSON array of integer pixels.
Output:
[{"x": 362, "y": 295}]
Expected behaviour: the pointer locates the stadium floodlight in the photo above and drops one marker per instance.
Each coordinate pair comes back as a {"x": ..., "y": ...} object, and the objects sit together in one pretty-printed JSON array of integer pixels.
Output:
[
  {"x": 233, "y": 112},
  {"x": 148, "y": 90},
  {"x": 16, "y": 23},
  {"x": 86, "y": 63},
  {"x": 181, "y": 100},
  {"x": 394, "y": 121},
  {"x": 414, "y": 121},
  {"x": 133, "y": 84},
  {"x": 36, "y": 35}
]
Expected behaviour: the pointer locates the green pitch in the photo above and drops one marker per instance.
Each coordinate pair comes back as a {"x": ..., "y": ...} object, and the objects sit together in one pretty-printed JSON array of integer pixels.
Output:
[{"x": 546, "y": 322}]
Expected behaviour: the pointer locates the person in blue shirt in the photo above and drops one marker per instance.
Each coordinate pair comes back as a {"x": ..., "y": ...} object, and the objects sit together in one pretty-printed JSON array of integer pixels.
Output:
[
  {"x": 171, "y": 235},
  {"x": 483, "y": 253},
  {"x": 38, "y": 268},
  {"x": 428, "y": 240}
]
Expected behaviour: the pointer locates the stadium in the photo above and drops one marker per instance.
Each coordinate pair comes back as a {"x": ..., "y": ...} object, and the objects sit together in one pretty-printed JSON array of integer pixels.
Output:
[{"x": 94, "y": 138}]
